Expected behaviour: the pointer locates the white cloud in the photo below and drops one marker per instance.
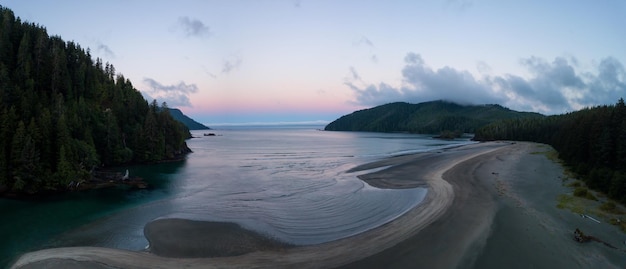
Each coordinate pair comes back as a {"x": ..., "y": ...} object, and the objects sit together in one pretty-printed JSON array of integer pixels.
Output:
[
  {"x": 175, "y": 95},
  {"x": 353, "y": 74},
  {"x": 363, "y": 41},
  {"x": 193, "y": 27},
  {"x": 106, "y": 50},
  {"x": 460, "y": 5},
  {"x": 553, "y": 87},
  {"x": 231, "y": 64}
]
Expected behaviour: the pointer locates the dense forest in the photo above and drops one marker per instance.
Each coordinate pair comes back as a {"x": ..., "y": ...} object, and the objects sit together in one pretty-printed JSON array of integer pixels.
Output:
[
  {"x": 591, "y": 141},
  {"x": 63, "y": 114},
  {"x": 427, "y": 118}
]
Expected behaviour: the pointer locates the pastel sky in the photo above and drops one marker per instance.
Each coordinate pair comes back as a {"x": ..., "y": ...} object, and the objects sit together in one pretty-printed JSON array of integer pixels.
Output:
[{"x": 298, "y": 60}]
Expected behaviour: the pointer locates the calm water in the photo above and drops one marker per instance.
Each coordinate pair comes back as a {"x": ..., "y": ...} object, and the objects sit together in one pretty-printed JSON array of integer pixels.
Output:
[{"x": 288, "y": 183}]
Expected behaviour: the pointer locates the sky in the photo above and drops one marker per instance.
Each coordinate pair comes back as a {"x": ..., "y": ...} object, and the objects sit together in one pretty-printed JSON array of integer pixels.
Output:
[{"x": 314, "y": 61}]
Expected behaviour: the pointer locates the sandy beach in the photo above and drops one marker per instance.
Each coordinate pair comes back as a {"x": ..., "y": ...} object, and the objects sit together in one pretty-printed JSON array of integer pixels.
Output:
[{"x": 489, "y": 205}]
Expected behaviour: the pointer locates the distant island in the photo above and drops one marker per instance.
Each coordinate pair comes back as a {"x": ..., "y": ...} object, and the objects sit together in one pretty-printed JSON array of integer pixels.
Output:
[
  {"x": 436, "y": 117},
  {"x": 187, "y": 121}
]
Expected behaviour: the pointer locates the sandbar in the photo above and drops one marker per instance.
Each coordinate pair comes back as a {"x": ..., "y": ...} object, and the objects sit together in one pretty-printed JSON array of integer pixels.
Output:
[{"x": 471, "y": 214}]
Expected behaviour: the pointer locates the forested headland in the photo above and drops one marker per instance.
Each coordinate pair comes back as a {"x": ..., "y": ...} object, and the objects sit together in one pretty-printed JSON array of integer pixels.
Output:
[
  {"x": 591, "y": 141},
  {"x": 62, "y": 114},
  {"x": 187, "y": 121},
  {"x": 433, "y": 117}
]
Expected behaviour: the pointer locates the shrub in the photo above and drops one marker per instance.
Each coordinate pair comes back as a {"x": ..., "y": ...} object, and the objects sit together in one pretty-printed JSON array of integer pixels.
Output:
[
  {"x": 610, "y": 207},
  {"x": 575, "y": 184},
  {"x": 580, "y": 192},
  {"x": 583, "y": 192}
]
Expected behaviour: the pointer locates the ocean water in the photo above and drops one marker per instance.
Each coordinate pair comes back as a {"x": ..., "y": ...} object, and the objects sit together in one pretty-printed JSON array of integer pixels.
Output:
[{"x": 287, "y": 182}]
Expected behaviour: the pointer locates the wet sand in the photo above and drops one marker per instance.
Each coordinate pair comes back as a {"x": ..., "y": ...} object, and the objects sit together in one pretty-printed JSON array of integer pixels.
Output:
[
  {"x": 181, "y": 238},
  {"x": 489, "y": 205}
]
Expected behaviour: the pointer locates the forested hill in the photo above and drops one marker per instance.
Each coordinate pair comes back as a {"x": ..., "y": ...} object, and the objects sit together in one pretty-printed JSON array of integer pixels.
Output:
[
  {"x": 428, "y": 118},
  {"x": 187, "y": 121},
  {"x": 591, "y": 141},
  {"x": 63, "y": 114}
]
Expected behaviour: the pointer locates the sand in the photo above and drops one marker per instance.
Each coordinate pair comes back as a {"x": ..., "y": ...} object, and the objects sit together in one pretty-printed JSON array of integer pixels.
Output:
[
  {"x": 201, "y": 239},
  {"x": 489, "y": 205}
]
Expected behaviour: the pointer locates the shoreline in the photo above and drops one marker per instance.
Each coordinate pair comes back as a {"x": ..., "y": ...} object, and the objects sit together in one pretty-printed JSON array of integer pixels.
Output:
[{"x": 442, "y": 231}]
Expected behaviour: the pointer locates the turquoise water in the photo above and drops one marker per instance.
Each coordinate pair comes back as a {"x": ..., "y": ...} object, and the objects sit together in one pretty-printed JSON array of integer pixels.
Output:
[
  {"x": 288, "y": 183},
  {"x": 36, "y": 224}
]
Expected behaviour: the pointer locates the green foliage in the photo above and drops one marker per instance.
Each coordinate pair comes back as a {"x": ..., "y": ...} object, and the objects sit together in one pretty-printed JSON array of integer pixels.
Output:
[
  {"x": 610, "y": 207},
  {"x": 570, "y": 202},
  {"x": 591, "y": 141},
  {"x": 429, "y": 118},
  {"x": 62, "y": 114},
  {"x": 575, "y": 184},
  {"x": 447, "y": 134},
  {"x": 580, "y": 192}
]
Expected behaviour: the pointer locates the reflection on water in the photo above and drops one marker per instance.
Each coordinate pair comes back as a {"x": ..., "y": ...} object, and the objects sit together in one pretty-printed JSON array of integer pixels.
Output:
[{"x": 290, "y": 184}]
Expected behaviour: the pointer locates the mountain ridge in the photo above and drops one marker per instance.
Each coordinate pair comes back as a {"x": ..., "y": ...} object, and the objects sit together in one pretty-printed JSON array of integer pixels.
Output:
[
  {"x": 191, "y": 124},
  {"x": 428, "y": 117}
]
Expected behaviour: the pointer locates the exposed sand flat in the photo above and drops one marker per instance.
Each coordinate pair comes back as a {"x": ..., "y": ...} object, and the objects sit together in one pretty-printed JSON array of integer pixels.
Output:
[{"x": 459, "y": 223}]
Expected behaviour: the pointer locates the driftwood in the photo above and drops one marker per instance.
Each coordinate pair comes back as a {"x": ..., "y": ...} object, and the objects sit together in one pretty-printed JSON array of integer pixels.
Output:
[
  {"x": 580, "y": 237},
  {"x": 107, "y": 179}
]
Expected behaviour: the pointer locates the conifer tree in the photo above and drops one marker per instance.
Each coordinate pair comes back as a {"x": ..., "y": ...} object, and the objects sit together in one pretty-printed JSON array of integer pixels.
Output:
[{"x": 63, "y": 113}]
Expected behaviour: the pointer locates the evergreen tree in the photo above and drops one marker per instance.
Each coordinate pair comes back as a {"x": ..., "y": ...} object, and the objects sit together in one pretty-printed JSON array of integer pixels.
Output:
[
  {"x": 62, "y": 113},
  {"x": 591, "y": 141}
]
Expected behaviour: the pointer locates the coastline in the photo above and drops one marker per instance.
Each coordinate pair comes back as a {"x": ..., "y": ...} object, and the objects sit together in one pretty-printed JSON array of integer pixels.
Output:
[{"x": 453, "y": 227}]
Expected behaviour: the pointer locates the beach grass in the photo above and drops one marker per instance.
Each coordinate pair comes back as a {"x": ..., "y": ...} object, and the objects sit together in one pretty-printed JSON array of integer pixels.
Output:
[
  {"x": 582, "y": 205},
  {"x": 575, "y": 184},
  {"x": 607, "y": 210},
  {"x": 585, "y": 193},
  {"x": 553, "y": 155},
  {"x": 572, "y": 203},
  {"x": 584, "y": 200},
  {"x": 549, "y": 152},
  {"x": 619, "y": 223},
  {"x": 611, "y": 208}
]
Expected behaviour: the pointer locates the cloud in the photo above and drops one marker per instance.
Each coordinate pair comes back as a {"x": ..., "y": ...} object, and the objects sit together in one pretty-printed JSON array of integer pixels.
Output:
[
  {"x": 422, "y": 83},
  {"x": 363, "y": 41},
  {"x": 354, "y": 74},
  {"x": 174, "y": 95},
  {"x": 102, "y": 48},
  {"x": 609, "y": 83},
  {"x": 549, "y": 89},
  {"x": 373, "y": 95},
  {"x": 459, "y": 5},
  {"x": 552, "y": 88},
  {"x": 374, "y": 58},
  {"x": 206, "y": 71},
  {"x": 231, "y": 64},
  {"x": 483, "y": 68},
  {"x": 193, "y": 27},
  {"x": 297, "y": 3}
]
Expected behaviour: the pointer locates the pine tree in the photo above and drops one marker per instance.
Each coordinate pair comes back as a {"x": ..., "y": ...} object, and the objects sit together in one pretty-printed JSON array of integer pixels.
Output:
[{"x": 63, "y": 113}]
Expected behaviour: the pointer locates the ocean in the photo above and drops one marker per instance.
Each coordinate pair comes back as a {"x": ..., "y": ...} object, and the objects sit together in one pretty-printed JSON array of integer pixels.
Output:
[{"x": 287, "y": 182}]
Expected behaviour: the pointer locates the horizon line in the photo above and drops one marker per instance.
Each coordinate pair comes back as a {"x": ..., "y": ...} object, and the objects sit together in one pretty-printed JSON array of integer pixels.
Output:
[{"x": 269, "y": 123}]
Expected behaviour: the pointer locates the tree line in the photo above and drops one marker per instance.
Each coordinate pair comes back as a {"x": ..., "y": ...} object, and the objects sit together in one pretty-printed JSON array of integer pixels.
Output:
[
  {"x": 591, "y": 141},
  {"x": 63, "y": 114}
]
